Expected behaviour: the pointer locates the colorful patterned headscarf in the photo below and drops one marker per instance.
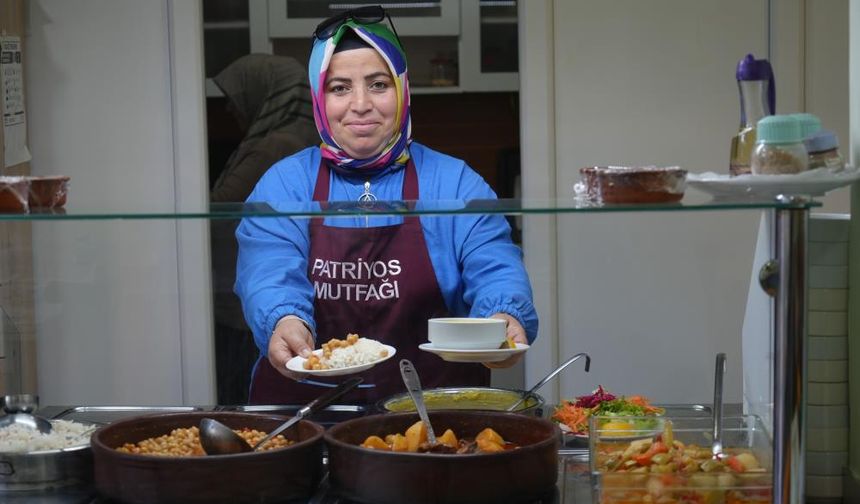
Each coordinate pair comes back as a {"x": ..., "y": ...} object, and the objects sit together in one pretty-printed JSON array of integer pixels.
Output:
[{"x": 380, "y": 38}]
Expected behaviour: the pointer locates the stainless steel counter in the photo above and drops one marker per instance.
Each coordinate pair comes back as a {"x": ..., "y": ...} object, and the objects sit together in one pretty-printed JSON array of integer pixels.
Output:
[{"x": 573, "y": 484}]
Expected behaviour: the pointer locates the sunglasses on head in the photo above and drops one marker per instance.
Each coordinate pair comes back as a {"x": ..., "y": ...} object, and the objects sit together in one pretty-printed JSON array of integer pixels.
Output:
[{"x": 369, "y": 14}]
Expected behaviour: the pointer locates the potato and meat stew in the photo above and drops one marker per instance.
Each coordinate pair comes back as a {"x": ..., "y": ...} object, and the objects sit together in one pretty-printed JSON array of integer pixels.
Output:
[
  {"x": 415, "y": 440},
  {"x": 185, "y": 442}
]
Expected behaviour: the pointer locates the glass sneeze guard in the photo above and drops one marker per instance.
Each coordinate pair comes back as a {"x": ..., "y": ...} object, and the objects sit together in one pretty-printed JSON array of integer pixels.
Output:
[{"x": 81, "y": 210}]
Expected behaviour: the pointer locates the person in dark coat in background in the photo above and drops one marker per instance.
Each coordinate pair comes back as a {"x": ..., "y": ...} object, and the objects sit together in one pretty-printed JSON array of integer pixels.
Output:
[{"x": 269, "y": 97}]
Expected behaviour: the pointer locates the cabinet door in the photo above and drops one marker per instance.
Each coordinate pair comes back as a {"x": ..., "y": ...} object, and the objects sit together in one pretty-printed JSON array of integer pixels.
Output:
[
  {"x": 298, "y": 18},
  {"x": 489, "y": 54},
  {"x": 226, "y": 33},
  {"x": 226, "y": 37}
]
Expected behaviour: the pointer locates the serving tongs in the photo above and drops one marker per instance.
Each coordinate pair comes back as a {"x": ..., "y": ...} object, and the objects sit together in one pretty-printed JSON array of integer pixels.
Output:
[
  {"x": 548, "y": 377},
  {"x": 19, "y": 411},
  {"x": 719, "y": 371}
]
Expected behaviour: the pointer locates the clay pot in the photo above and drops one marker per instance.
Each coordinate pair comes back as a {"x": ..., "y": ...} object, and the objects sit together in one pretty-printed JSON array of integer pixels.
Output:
[
  {"x": 525, "y": 474},
  {"x": 13, "y": 194},
  {"x": 261, "y": 477},
  {"x": 48, "y": 192}
]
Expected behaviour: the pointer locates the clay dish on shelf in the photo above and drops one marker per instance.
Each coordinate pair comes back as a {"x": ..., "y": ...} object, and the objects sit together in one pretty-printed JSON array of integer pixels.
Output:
[
  {"x": 13, "y": 194},
  {"x": 623, "y": 184},
  {"x": 48, "y": 191}
]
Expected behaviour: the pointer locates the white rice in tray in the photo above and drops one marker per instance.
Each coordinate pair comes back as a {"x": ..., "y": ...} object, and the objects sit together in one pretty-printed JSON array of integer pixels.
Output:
[
  {"x": 65, "y": 434},
  {"x": 363, "y": 351}
]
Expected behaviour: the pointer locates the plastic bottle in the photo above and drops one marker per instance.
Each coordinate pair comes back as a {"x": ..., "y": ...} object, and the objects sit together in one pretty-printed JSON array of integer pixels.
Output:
[{"x": 758, "y": 99}]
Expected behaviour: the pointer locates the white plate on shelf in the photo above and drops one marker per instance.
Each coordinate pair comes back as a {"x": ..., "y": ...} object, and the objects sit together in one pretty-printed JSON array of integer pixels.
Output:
[
  {"x": 811, "y": 183},
  {"x": 457, "y": 355},
  {"x": 296, "y": 365}
]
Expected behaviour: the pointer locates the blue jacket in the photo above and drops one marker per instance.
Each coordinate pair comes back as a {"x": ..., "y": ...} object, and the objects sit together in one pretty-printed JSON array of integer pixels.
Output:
[{"x": 479, "y": 269}]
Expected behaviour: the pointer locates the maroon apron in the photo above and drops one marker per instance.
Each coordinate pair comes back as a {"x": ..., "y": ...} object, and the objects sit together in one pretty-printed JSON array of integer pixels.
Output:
[{"x": 377, "y": 282}]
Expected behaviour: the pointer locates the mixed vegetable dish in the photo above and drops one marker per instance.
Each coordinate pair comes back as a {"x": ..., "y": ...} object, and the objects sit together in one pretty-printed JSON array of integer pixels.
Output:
[
  {"x": 665, "y": 470},
  {"x": 573, "y": 416}
]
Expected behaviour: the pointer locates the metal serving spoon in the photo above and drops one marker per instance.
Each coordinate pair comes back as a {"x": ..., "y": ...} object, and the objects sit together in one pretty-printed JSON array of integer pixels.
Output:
[
  {"x": 548, "y": 377},
  {"x": 720, "y": 370},
  {"x": 19, "y": 411},
  {"x": 413, "y": 385},
  {"x": 218, "y": 439}
]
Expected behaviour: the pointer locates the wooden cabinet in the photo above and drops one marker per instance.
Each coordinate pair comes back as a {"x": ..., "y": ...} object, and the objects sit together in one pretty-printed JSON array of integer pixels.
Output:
[
  {"x": 489, "y": 46},
  {"x": 298, "y": 18},
  {"x": 453, "y": 46}
]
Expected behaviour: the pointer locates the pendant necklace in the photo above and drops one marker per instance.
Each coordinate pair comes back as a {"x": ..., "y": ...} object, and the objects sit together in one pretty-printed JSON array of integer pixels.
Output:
[
  {"x": 367, "y": 196},
  {"x": 366, "y": 200}
]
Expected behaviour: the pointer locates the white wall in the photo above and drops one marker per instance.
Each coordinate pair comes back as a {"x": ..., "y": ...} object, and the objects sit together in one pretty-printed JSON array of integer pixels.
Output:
[
  {"x": 825, "y": 91},
  {"x": 652, "y": 297},
  {"x": 113, "y": 297}
]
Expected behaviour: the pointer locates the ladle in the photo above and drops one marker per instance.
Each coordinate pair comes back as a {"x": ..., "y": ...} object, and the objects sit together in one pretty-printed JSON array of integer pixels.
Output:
[
  {"x": 218, "y": 439},
  {"x": 717, "y": 446},
  {"x": 548, "y": 377},
  {"x": 19, "y": 411},
  {"x": 413, "y": 385}
]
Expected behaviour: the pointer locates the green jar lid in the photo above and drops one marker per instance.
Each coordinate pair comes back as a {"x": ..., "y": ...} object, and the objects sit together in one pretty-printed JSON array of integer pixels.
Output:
[
  {"x": 810, "y": 124},
  {"x": 778, "y": 129}
]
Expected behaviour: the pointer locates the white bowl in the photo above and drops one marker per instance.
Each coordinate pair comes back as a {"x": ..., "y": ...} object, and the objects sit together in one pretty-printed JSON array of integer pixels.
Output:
[{"x": 466, "y": 333}]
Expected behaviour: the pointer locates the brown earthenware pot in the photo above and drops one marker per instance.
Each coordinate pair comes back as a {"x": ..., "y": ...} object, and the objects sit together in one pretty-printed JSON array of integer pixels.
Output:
[
  {"x": 262, "y": 477},
  {"x": 525, "y": 474},
  {"x": 48, "y": 191}
]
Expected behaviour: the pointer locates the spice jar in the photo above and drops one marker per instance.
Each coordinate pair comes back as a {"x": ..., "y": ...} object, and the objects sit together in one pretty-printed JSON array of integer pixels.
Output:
[
  {"x": 779, "y": 147},
  {"x": 823, "y": 148},
  {"x": 810, "y": 124}
]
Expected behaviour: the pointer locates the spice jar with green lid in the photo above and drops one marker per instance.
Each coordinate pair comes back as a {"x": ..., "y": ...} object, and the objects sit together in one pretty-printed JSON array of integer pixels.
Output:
[
  {"x": 810, "y": 124},
  {"x": 779, "y": 147}
]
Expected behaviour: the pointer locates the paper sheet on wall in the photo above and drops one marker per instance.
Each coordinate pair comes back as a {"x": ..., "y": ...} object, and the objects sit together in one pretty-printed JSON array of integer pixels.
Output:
[{"x": 12, "y": 91}]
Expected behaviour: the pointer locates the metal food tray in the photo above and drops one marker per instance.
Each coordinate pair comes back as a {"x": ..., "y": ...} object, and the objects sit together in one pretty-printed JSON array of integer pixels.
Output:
[
  {"x": 108, "y": 414},
  {"x": 327, "y": 416}
]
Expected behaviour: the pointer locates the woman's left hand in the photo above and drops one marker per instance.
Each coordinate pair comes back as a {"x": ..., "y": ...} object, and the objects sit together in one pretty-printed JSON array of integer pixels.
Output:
[{"x": 517, "y": 333}]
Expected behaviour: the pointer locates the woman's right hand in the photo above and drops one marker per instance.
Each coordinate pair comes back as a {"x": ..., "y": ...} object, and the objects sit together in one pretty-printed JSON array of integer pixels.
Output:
[{"x": 291, "y": 337}]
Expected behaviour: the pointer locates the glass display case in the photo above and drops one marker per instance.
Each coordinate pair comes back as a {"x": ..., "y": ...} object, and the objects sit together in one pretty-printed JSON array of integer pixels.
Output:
[{"x": 81, "y": 315}]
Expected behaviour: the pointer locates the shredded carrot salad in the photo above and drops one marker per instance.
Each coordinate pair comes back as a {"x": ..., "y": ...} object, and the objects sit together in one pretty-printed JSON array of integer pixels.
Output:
[
  {"x": 643, "y": 403},
  {"x": 573, "y": 416}
]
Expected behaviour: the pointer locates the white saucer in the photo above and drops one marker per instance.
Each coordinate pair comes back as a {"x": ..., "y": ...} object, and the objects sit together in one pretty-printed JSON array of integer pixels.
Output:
[
  {"x": 456, "y": 355},
  {"x": 296, "y": 365},
  {"x": 810, "y": 183}
]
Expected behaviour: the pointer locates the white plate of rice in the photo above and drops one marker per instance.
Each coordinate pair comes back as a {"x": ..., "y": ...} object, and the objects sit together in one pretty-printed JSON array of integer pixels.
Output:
[{"x": 361, "y": 356}]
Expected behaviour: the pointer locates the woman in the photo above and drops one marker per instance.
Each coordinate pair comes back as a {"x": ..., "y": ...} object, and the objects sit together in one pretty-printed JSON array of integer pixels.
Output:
[{"x": 303, "y": 283}]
